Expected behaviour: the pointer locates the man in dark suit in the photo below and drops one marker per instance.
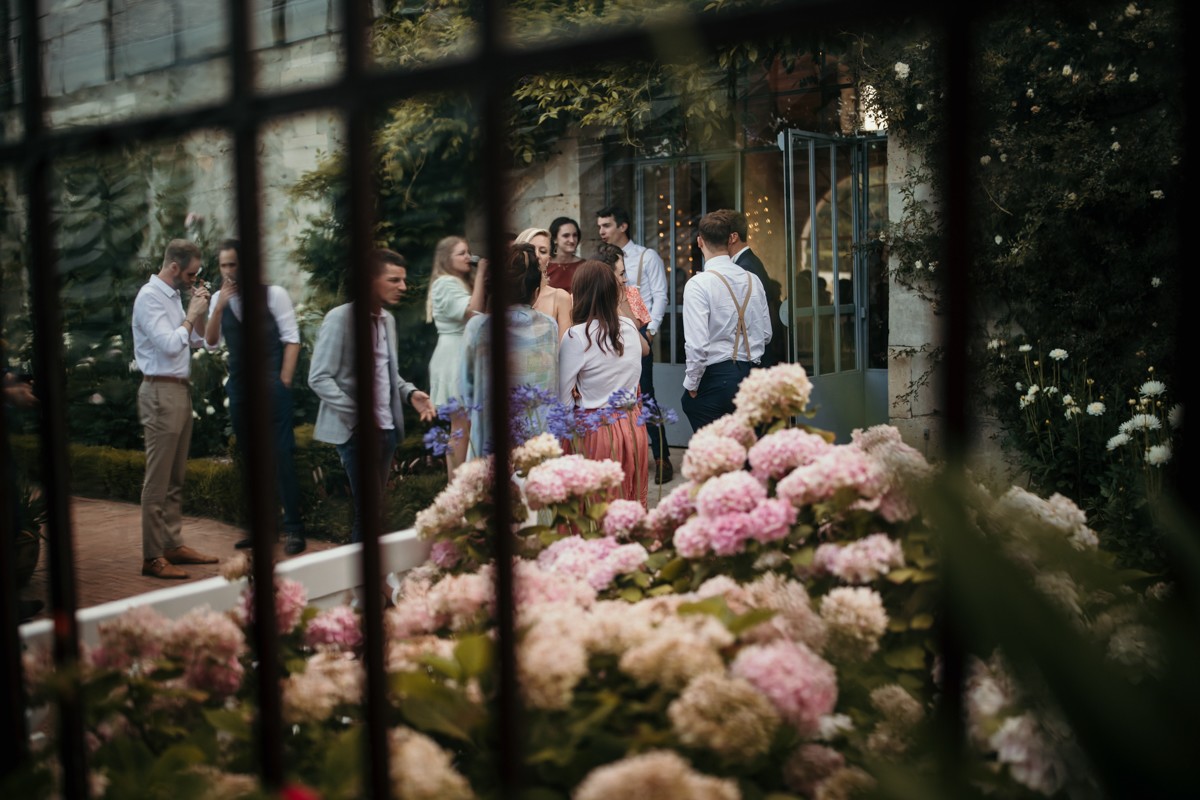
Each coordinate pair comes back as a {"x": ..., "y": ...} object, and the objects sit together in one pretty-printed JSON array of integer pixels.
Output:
[{"x": 744, "y": 257}]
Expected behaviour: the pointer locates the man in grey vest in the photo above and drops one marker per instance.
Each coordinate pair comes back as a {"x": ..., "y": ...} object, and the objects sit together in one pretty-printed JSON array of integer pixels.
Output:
[
  {"x": 725, "y": 325},
  {"x": 331, "y": 377},
  {"x": 281, "y": 337}
]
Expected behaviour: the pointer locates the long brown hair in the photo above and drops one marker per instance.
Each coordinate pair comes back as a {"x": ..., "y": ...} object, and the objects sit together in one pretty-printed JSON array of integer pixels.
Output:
[{"x": 595, "y": 292}]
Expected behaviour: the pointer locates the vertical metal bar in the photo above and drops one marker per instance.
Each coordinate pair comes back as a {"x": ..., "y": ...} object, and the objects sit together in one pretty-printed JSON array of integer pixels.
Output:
[
  {"x": 48, "y": 369},
  {"x": 834, "y": 244},
  {"x": 259, "y": 448},
  {"x": 497, "y": 158},
  {"x": 956, "y": 170},
  {"x": 360, "y": 205},
  {"x": 13, "y": 720}
]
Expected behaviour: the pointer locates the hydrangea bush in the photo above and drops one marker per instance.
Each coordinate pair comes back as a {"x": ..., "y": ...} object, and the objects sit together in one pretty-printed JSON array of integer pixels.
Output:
[{"x": 766, "y": 630}]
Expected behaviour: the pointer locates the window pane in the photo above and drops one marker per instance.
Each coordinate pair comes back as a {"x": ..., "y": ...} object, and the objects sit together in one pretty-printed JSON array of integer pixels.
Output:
[{"x": 115, "y": 61}]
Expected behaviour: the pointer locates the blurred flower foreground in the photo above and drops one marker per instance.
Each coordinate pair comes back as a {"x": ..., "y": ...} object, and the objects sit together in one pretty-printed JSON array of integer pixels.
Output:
[{"x": 767, "y": 630}]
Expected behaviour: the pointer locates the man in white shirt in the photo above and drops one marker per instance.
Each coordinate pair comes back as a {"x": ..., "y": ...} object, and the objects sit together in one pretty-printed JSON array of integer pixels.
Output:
[
  {"x": 643, "y": 269},
  {"x": 163, "y": 338},
  {"x": 725, "y": 324},
  {"x": 331, "y": 377},
  {"x": 281, "y": 338},
  {"x": 747, "y": 259}
]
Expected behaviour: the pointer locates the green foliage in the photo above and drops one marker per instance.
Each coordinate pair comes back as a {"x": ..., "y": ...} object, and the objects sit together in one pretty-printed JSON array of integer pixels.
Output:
[
  {"x": 215, "y": 488},
  {"x": 1075, "y": 175}
]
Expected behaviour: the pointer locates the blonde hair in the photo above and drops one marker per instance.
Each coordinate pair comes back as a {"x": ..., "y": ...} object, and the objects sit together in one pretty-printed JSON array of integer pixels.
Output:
[
  {"x": 526, "y": 236},
  {"x": 441, "y": 268}
]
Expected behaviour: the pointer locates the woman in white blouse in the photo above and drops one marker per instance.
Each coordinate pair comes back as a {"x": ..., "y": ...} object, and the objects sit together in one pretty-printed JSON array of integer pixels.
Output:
[{"x": 600, "y": 355}]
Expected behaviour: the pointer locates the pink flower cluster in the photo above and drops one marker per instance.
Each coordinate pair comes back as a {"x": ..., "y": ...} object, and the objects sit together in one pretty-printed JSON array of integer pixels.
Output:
[
  {"x": 623, "y": 518},
  {"x": 777, "y": 454},
  {"x": 771, "y": 394},
  {"x": 535, "y": 584},
  {"x": 337, "y": 628},
  {"x": 210, "y": 647},
  {"x": 135, "y": 636},
  {"x": 471, "y": 486},
  {"x": 572, "y": 477},
  {"x": 770, "y": 521},
  {"x": 710, "y": 454},
  {"x": 672, "y": 511},
  {"x": 444, "y": 553},
  {"x": 733, "y": 426},
  {"x": 729, "y": 493},
  {"x": 862, "y": 561},
  {"x": 799, "y": 683},
  {"x": 597, "y": 561},
  {"x": 902, "y": 465},
  {"x": 291, "y": 598},
  {"x": 842, "y": 471}
]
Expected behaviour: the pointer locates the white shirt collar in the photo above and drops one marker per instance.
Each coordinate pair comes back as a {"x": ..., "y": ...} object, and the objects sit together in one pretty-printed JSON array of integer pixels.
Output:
[
  {"x": 734, "y": 256},
  {"x": 163, "y": 286}
]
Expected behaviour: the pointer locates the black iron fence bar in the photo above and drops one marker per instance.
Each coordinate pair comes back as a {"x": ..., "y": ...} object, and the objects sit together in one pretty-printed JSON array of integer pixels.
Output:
[
  {"x": 48, "y": 372},
  {"x": 497, "y": 197},
  {"x": 259, "y": 447},
  {"x": 361, "y": 222},
  {"x": 957, "y": 66},
  {"x": 13, "y": 713}
]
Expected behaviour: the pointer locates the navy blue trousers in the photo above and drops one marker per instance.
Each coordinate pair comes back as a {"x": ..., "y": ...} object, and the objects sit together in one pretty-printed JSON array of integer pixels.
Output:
[{"x": 714, "y": 395}]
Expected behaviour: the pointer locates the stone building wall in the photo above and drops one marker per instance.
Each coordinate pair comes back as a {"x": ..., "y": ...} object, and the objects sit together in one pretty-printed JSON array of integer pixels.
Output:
[{"x": 114, "y": 60}]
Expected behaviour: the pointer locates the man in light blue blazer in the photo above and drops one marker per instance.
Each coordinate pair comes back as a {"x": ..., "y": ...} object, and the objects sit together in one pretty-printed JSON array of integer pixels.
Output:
[{"x": 331, "y": 377}]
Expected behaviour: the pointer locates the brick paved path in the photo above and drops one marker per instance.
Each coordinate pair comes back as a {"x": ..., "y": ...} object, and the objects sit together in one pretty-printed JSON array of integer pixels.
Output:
[
  {"x": 108, "y": 547},
  {"x": 108, "y": 552}
]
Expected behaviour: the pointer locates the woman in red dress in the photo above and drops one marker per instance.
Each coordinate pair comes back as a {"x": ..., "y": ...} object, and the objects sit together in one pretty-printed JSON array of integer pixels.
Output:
[{"x": 564, "y": 242}]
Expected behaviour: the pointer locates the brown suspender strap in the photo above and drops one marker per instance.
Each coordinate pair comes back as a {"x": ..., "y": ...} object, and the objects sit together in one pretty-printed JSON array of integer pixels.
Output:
[{"x": 740, "y": 331}]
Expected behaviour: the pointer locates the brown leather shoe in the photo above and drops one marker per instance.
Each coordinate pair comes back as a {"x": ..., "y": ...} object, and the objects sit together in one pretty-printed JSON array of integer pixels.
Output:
[
  {"x": 186, "y": 555},
  {"x": 161, "y": 568}
]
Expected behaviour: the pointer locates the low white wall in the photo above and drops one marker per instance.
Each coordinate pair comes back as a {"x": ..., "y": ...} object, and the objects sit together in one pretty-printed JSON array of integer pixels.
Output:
[{"x": 330, "y": 576}]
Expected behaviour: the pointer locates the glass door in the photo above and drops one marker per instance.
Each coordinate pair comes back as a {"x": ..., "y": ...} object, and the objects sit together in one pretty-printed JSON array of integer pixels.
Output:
[{"x": 836, "y": 205}]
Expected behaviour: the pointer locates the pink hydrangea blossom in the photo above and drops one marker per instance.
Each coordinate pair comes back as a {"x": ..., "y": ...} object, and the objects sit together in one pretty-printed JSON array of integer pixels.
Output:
[
  {"x": 710, "y": 454},
  {"x": 337, "y": 627},
  {"x": 597, "y": 561},
  {"x": 671, "y": 512},
  {"x": 209, "y": 645},
  {"x": 691, "y": 539},
  {"x": 777, "y": 454},
  {"x": 734, "y": 426},
  {"x": 799, "y": 683},
  {"x": 444, "y": 553},
  {"x": 842, "y": 470},
  {"x": 136, "y": 635},
  {"x": 727, "y": 534},
  {"x": 772, "y": 520},
  {"x": 766, "y": 395},
  {"x": 534, "y": 585},
  {"x": 572, "y": 477},
  {"x": 290, "y": 600},
  {"x": 729, "y": 493},
  {"x": 862, "y": 561},
  {"x": 623, "y": 518}
]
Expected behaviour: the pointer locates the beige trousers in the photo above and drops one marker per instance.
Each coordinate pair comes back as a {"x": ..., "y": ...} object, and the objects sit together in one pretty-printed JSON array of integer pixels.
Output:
[{"x": 165, "y": 410}]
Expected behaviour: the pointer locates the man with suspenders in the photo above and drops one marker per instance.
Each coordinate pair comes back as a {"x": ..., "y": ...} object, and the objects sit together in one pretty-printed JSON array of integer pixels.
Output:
[
  {"x": 726, "y": 324},
  {"x": 643, "y": 269}
]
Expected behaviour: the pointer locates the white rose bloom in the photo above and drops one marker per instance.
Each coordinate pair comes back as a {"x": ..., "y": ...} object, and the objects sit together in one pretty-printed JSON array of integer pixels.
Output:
[
  {"x": 1095, "y": 409},
  {"x": 902, "y": 70},
  {"x": 209, "y": 410},
  {"x": 1115, "y": 146},
  {"x": 1058, "y": 354},
  {"x": 985, "y": 160}
]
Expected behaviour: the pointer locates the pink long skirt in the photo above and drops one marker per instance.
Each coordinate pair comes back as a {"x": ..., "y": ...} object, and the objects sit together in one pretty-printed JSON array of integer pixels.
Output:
[{"x": 625, "y": 442}]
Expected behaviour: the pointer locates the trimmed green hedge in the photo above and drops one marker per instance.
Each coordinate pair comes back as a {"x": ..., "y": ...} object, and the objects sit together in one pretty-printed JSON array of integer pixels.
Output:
[{"x": 215, "y": 488}]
